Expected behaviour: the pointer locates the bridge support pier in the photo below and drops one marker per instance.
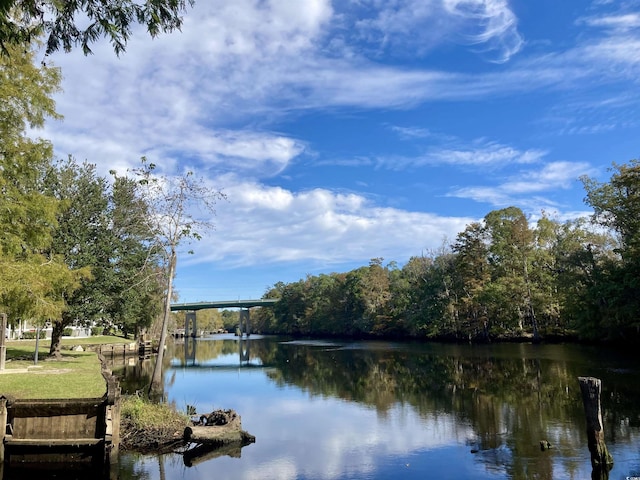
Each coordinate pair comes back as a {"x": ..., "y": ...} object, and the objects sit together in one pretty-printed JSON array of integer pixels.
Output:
[
  {"x": 190, "y": 350},
  {"x": 245, "y": 322},
  {"x": 245, "y": 355},
  {"x": 190, "y": 325}
]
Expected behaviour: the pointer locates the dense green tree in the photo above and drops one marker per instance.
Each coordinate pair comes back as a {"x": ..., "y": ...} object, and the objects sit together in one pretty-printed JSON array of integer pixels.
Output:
[
  {"x": 416, "y": 297},
  {"x": 138, "y": 281},
  {"x": 440, "y": 313},
  {"x": 83, "y": 239},
  {"x": 376, "y": 295},
  {"x": 510, "y": 255},
  {"x": 472, "y": 274},
  {"x": 102, "y": 229},
  {"x": 583, "y": 258},
  {"x": 323, "y": 295},
  {"x": 291, "y": 309},
  {"x": 357, "y": 322},
  {"x": 543, "y": 274},
  {"x": 231, "y": 318},
  {"x": 33, "y": 280},
  {"x": 72, "y": 23},
  {"x": 616, "y": 205}
]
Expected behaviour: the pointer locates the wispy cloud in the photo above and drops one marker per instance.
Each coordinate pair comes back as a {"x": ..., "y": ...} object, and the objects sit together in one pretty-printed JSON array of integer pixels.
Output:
[
  {"x": 488, "y": 154},
  {"x": 520, "y": 189},
  {"x": 621, "y": 22},
  {"x": 496, "y": 25},
  {"x": 477, "y": 154},
  {"x": 411, "y": 132},
  {"x": 239, "y": 62},
  {"x": 407, "y": 25}
]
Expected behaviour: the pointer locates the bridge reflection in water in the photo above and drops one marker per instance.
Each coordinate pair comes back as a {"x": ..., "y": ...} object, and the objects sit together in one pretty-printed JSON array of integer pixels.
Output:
[
  {"x": 244, "y": 355},
  {"x": 244, "y": 328}
]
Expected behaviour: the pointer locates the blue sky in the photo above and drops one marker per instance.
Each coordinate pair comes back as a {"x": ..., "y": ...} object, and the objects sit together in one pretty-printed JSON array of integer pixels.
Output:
[{"x": 347, "y": 130}]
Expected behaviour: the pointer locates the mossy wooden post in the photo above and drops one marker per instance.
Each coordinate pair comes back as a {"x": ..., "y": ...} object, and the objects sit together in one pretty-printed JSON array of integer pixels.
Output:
[{"x": 600, "y": 457}]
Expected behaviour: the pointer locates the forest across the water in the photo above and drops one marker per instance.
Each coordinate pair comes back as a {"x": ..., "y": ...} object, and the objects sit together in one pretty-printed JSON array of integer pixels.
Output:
[{"x": 503, "y": 278}]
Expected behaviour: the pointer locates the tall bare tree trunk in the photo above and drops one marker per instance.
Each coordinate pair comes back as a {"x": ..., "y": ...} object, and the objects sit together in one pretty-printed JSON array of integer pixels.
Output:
[{"x": 156, "y": 386}]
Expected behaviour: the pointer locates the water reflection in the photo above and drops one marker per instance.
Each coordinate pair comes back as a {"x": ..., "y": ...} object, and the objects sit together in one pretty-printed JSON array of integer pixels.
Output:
[{"x": 381, "y": 410}]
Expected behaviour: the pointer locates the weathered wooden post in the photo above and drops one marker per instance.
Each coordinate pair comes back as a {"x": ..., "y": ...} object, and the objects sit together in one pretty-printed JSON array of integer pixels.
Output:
[
  {"x": 3, "y": 422},
  {"x": 590, "y": 388},
  {"x": 3, "y": 345}
]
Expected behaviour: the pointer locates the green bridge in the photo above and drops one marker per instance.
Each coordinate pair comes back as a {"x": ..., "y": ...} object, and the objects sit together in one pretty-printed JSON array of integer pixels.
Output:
[
  {"x": 261, "y": 302},
  {"x": 244, "y": 328}
]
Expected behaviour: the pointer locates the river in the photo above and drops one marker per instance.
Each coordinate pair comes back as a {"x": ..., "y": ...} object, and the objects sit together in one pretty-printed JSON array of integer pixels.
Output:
[{"x": 380, "y": 410}]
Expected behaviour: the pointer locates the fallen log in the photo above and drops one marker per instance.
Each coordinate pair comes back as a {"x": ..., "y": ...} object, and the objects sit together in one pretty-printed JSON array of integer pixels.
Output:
[
  {"x": 217, "y": 435},
  {"x": 221, "y": 427}
]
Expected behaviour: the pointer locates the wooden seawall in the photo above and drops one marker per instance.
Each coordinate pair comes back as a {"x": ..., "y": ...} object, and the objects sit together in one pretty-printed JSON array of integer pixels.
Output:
[{"x": 45, "y": 431}]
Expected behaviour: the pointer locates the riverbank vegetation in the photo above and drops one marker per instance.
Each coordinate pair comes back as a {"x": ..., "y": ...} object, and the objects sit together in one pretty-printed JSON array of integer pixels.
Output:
[
  {"x": 505, "y": 277},
  {"x": 149, "y": 426}
]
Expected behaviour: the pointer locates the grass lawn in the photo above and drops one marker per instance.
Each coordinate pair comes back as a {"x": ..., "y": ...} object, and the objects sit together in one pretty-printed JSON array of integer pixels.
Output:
[{"x": 76, "y": 375}]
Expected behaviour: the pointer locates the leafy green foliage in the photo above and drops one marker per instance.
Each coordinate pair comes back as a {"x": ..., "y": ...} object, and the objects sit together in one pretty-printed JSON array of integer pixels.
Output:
[
  {"x": 102, "y": 228},
  {"x": 33, "y": 280},
  {"x": 615, "y": 279},
  {"x": 79, "y": 23}
]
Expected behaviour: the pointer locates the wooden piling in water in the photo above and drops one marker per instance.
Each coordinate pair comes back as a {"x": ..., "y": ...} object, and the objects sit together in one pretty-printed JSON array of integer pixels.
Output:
[
  {"x": 590, "y": 389},
  {"x": 3, "y": 422}
]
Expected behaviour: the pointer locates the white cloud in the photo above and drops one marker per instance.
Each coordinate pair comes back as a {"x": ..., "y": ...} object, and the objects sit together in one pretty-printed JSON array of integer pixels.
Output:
[
  {"x": 616, "y": 22},
  {"x": 199, "y": 92},
  {"x": 411, "y": 132},
  {"x": 518, "y": 189},
  {"x": 408, "y": 25},
  {"x": 479, "y": 153},
  {"x": 496, "y": 25},
  {"x": 207, "y": 97},
  {"x": 489, "y": 154},
  {"x": 261, "y": 224}
]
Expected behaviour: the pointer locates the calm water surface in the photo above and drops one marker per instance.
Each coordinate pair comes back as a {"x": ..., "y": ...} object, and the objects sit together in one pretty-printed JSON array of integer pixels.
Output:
[{"x": 378, "y": 410}]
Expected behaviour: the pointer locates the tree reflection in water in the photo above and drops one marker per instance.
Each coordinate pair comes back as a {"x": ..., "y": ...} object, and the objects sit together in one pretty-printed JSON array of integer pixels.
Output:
[{"x": 499, "y": 401}]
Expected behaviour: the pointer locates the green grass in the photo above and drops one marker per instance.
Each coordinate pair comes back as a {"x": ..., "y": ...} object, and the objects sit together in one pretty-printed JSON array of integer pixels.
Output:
[
  {"x": 149, "y": 426},
  {"x": 144, "y": 414},
  {"x": 75, "y": 375}
]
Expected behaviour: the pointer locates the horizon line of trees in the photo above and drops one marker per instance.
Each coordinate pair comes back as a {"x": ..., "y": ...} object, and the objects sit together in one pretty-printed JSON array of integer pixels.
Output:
[{"x": 501, "y": 278}]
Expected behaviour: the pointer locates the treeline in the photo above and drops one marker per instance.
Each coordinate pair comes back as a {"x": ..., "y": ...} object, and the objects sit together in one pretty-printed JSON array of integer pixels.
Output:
[
  {"x": 74, "y": 246},
  {"x": 502, "y": 278}
]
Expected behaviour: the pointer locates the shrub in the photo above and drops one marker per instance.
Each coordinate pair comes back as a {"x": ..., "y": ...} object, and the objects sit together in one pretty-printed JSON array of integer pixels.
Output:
[
  {"x": 67, "y": 332},
  {"x": 32, "y": 335}
]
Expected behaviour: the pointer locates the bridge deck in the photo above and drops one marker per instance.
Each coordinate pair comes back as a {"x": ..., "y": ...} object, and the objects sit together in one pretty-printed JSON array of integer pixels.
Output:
[{"x": 262, "y": 302}]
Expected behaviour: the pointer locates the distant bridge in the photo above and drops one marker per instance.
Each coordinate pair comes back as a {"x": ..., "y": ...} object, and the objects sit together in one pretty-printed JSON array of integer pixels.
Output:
[
  {"x": 262, "y": 302},
  {"x": 190, "y": 325}
]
